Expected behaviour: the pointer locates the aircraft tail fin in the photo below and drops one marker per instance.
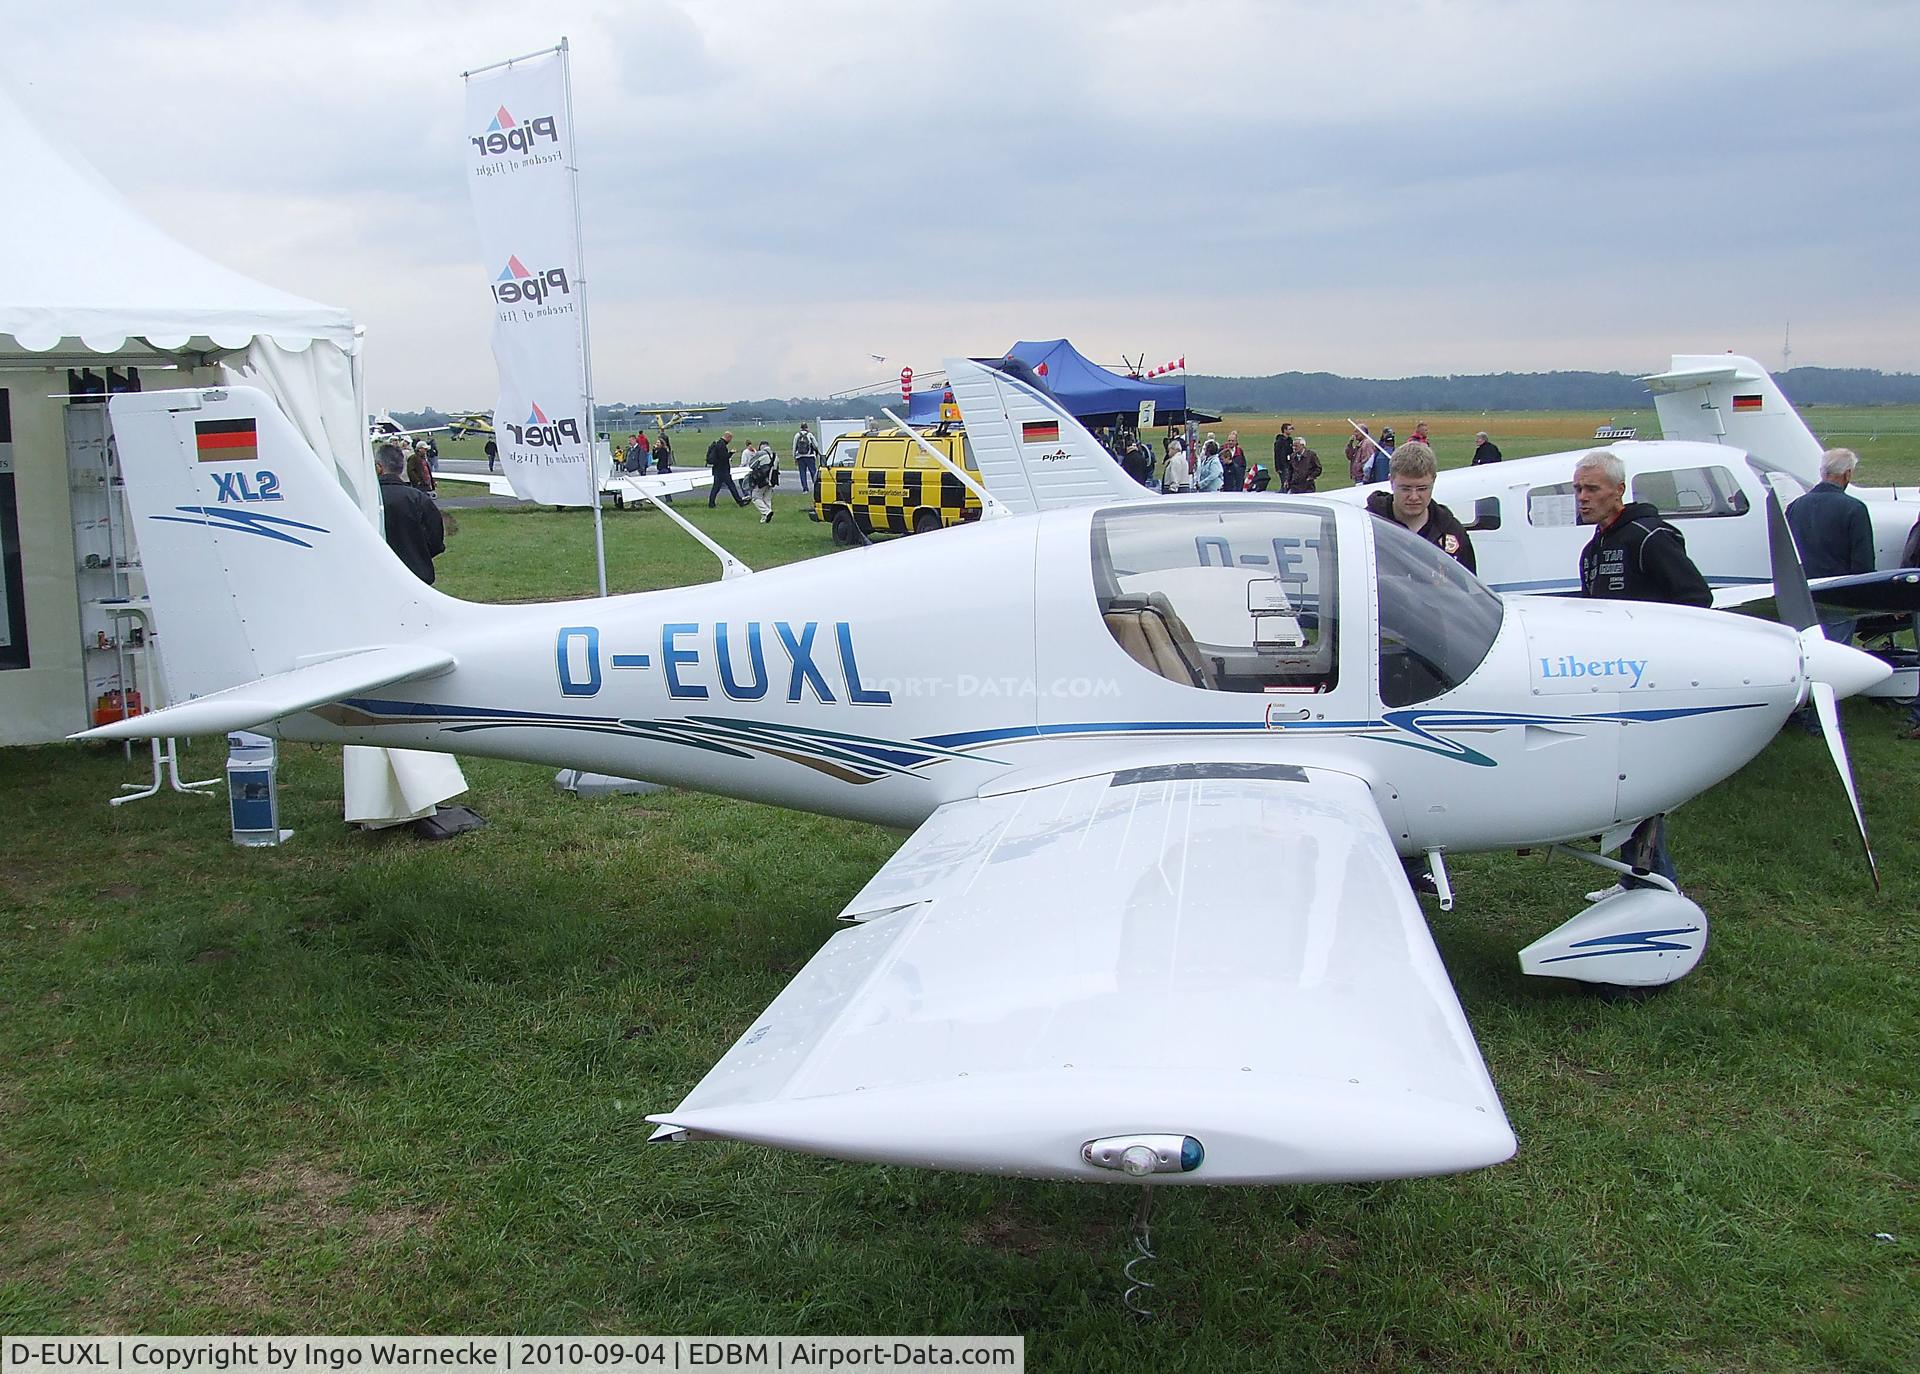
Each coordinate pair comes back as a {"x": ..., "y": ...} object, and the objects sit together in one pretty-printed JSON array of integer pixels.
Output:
[
  {"x": 258, "y": 563},
  {"x": 1721, "y": 398},
  {"x": 1031, "y": 453}
]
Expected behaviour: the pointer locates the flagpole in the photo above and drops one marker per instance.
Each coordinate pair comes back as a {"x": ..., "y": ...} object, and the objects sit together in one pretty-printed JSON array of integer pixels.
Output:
[
  {"x": 586, "y": 332},
  {"x": 508, "y": 61}
]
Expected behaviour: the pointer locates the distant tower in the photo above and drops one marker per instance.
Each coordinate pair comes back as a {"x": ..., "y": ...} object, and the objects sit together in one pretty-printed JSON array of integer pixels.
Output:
[{"x": 1786, "y": 348}]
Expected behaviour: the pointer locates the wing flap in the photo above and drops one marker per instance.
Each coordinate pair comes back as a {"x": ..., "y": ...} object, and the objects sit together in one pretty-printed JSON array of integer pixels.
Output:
[
  {"x": 283, "y": 694},
  {"x": 1225, "y": 954}
]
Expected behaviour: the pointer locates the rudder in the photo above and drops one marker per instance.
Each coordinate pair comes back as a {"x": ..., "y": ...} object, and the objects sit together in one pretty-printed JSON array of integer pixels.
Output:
[
  {"x": 256, "y": 561},
  {"x": 1031, "y": 453},
  {"x": 1721, "y": 398}
]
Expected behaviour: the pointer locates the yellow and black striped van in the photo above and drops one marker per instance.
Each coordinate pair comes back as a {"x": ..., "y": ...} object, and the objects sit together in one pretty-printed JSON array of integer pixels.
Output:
[{"x": 885, "y": 484}]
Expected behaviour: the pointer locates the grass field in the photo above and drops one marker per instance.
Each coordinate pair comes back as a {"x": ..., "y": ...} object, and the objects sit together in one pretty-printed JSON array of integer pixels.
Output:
[{"x": 362, "y": 1084}]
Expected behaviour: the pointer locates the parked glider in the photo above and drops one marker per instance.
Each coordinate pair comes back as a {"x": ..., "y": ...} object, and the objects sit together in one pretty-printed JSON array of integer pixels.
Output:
[{"x": 1162, "y": 764}]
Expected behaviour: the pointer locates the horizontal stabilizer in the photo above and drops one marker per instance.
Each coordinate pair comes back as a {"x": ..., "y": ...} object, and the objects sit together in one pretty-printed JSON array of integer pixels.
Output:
[{"x": 284, "y": 694}]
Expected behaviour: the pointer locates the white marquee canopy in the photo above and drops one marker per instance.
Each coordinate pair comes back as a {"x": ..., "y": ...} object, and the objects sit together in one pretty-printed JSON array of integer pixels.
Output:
[{"x": 82, "y": 271}]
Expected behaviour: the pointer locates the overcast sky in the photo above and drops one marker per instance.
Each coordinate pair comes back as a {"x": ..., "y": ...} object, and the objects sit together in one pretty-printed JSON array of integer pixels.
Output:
[{"x": 775, "y": 191}]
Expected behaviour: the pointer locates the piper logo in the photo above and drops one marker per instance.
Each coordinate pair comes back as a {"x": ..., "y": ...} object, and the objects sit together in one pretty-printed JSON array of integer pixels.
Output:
[
  {"x": 509, "y": 135},
  {"x": 516, "y": 284},
  {"x": 540, "y": 432}
]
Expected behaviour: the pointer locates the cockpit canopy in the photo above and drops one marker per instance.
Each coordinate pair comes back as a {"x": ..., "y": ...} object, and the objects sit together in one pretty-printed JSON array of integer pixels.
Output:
[{"x": 1243, "y": 596}]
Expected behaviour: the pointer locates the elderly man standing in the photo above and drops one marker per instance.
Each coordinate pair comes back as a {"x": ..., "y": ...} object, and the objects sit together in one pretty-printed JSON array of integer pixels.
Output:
[
  {"x": 1833, "y": 530},
  {"x": 1408, "y": 502},
  {"x": 1634, "y": 555},
  {"x": 414, "y": 529}
]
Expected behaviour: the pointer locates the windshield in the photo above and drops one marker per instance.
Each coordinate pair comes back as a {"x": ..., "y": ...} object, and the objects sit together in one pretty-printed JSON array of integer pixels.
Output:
[
  {"x": 1437, "y": 620},
  {"x": 1224, "y": 596}
]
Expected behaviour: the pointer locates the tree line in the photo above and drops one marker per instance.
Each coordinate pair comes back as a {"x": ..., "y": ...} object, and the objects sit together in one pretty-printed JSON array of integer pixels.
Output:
[{"x": 1301, "y": 392}]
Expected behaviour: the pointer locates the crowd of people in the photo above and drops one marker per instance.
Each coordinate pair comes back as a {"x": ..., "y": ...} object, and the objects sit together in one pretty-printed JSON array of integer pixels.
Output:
[{"x": 1209, "y": 465}]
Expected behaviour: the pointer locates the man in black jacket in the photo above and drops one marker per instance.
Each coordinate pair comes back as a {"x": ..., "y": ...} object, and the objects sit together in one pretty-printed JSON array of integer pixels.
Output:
[
  {"x": 720, "y": 459},
  {"x": 1833, "y": 530},
  {"x": 1408, "y": 502},
  {"x": 1634, "y": 555},
  {"x": 1283, "y": 457},
  {"x": 414, "y": 529},
  {"x": 1484, "y": 450}
]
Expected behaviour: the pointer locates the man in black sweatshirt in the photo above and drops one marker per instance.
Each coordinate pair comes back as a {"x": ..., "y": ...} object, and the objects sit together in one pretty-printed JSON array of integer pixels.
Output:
[{"x": 1634, "y": 555}]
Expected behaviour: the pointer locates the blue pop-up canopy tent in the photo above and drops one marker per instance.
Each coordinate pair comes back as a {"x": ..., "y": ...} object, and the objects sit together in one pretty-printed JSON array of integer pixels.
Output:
[{"x": 1087, "y": 390}]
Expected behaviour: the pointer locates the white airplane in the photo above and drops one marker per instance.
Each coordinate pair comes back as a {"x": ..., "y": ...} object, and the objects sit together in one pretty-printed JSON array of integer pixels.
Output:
[
  {"x": 1730, "y": 437},
  {"x": 1162, "y": 764},
  {"x": 626, "y": 488}
]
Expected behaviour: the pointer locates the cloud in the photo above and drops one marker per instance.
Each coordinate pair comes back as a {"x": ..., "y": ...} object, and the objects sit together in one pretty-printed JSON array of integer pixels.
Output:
[{"x": 773, "y": 191}]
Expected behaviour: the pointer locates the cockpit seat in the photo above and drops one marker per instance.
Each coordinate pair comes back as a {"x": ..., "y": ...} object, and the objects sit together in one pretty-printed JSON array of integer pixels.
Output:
[{"x": 1153, "y": 633}]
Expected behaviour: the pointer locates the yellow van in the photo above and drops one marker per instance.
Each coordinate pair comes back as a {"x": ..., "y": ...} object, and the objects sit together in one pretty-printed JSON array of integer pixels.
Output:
[{"x": 885, "y": 484}]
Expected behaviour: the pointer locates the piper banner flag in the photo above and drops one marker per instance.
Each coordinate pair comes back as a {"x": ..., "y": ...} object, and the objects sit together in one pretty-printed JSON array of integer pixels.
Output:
[{"x": 519, "y": 148}]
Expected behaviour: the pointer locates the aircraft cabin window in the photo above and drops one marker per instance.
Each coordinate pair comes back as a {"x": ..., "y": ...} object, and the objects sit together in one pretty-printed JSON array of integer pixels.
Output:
[
  {"x": 1692, "y": 493},
  {"x": 1222, "y": 597},
  {"x": 1550, "y": 507},
  {"x": 1437, "y": 620},
  {"x": 1486, "y": 514}
]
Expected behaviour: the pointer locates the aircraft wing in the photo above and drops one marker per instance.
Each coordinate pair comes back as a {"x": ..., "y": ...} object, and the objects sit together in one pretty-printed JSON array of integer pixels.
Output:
[
  {"x": 1892, "y": 591},
  {"x": 283, "y": 694},
  {"x": 634, "y": 488},
  {"x": 631, "y": 488},
  {"x": 495, "y": 484},
  {"x": 1222, "y": 953}
]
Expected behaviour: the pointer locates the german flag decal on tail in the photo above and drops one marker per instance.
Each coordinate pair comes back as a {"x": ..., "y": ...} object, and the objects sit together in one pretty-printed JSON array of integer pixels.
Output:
[
  {"x": 1746, "y": 402},
  {"x": 1039, "y": 431},
  {"x": 226, "y": 441}
]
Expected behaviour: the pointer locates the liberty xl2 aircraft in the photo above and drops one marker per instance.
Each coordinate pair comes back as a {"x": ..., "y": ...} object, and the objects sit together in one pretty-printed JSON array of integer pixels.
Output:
[{"x": 1161, "y": 765}]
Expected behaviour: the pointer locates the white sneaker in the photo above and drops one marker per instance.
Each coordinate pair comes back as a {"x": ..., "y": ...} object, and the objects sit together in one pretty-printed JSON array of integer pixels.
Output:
[{"x": 1603, "y": 893}]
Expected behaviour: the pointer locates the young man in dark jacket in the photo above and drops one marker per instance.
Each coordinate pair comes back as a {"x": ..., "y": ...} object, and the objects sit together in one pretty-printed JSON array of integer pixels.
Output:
[
  {"x": 1634, "y": 555},
  {"x": 414, "y": 529},
  {"x": 1283, "y": 457},
  {"x": 1408, "y": 502}
]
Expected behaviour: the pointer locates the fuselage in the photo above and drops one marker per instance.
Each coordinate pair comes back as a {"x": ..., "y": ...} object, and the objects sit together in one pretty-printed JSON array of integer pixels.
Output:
[{"x": 880, "y": 683}]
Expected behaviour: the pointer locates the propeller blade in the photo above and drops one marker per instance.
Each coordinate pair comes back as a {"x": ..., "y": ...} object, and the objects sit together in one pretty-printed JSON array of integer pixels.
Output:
[
  {"x": 1790, "y": 592},
  {"x": 1823, "y": 702}
]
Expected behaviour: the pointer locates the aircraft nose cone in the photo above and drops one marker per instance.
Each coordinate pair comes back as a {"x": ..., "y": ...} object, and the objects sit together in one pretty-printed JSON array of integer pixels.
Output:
[{"x": 1846, "y": 669}]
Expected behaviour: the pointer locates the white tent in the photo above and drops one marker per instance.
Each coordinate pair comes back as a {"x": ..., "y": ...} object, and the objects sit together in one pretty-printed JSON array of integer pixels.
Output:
[{"x": 88, "y": 281}]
